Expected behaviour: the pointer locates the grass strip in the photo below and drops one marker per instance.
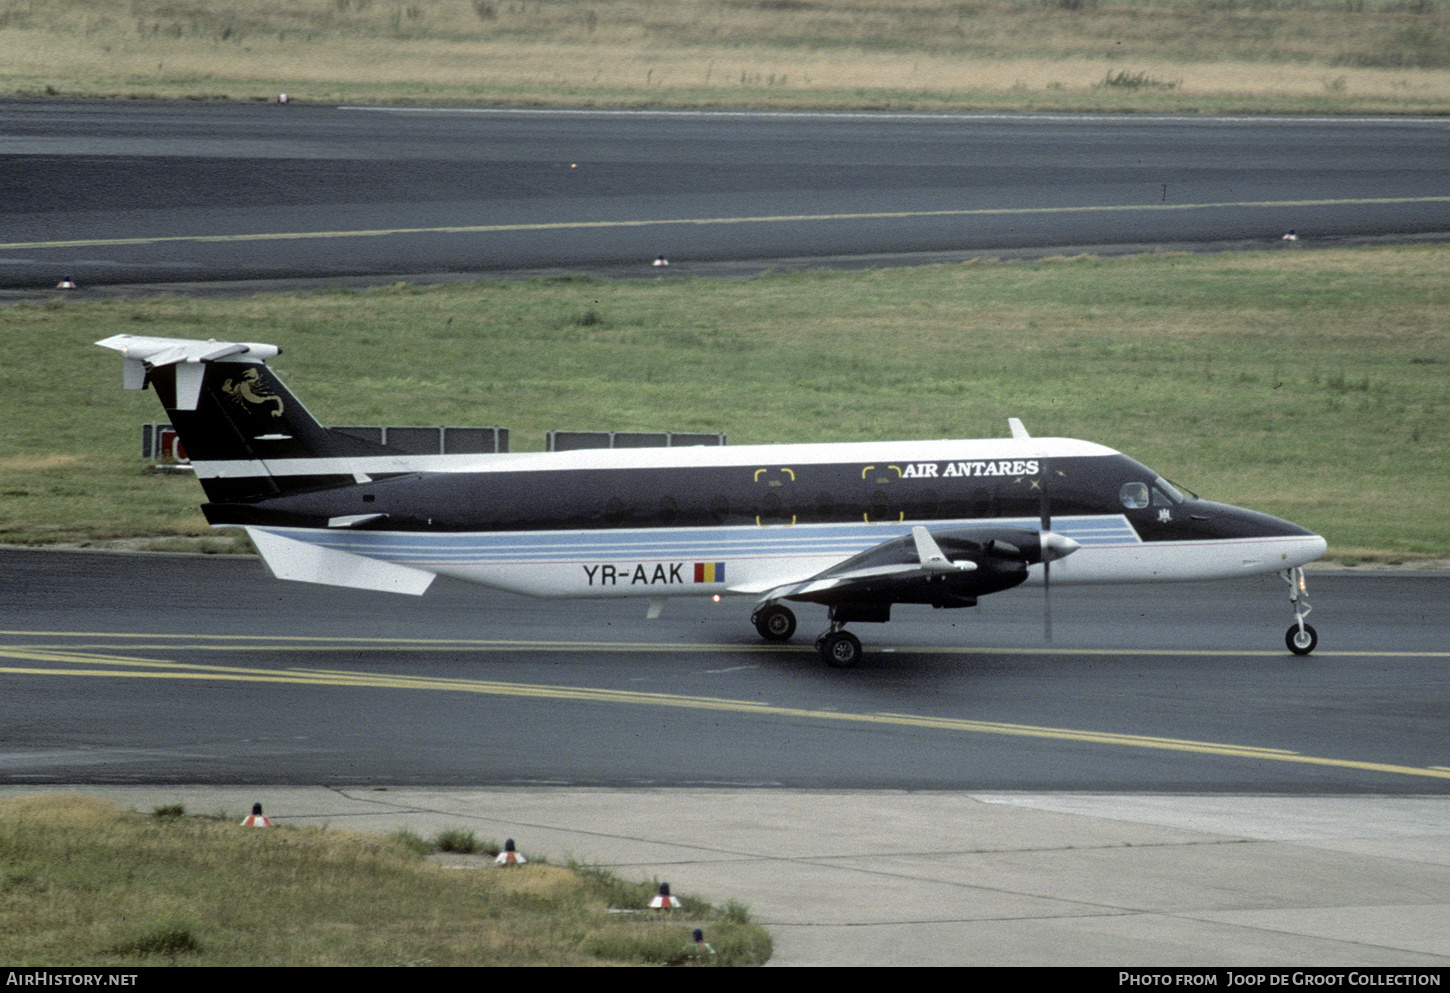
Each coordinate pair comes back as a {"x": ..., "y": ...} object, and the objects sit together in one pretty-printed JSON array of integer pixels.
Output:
[{"x": 83, "y": 883}]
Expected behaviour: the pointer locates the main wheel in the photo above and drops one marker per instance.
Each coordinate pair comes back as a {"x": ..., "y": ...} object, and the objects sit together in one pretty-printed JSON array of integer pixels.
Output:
[
  {"x": 840, "y": 649},
  {"x": 775, "y": 623},
  {"x": 1301, "y": 642}
]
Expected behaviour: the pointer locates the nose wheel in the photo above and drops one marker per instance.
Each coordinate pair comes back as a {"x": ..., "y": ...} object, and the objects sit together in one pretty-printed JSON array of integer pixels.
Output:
[{"x": 1301, "y": 638}]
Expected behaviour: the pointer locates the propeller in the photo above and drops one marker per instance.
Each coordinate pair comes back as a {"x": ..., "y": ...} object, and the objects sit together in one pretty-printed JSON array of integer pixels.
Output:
[
  {"x": 1044, "y": 510},
  {"x": 1051, "y": 546}
]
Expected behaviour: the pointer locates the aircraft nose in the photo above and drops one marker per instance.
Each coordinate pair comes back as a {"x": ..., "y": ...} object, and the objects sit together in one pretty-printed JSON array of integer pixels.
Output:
[
  {"x": 1316, "y": 548},
  {"x": 1299, "y": 544}
]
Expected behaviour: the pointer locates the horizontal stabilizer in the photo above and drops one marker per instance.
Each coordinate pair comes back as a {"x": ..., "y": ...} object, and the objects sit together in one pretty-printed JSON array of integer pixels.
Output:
[
  {"x": 288, "y": 558},
  {"x": 169, "y": 351},
  {"x": 143, "y": 352}
]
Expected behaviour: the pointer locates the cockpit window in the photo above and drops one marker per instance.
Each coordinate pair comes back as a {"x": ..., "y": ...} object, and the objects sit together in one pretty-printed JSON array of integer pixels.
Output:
[
  {"x": 1136, "y": 496},
  {"x": 1165, "y": 493},
  {"x": 1187, "y": 493}
]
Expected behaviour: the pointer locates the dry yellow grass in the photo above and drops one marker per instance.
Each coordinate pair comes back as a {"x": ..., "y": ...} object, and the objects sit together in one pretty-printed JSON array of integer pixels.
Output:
[
  {"x": 836, "y": 53},
  {"x": 41, "y": 463}
]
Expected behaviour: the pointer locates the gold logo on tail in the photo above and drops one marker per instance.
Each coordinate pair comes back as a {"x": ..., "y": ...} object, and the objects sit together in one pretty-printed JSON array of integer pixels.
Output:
[{"x": 249, "y": 393}]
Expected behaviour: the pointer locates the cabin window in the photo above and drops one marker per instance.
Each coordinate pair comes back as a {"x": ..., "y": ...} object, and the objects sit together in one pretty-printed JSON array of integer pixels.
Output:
[
  {"x": 615, "y": 512},
  {"x": 1134, "y": 495},
  {"x": 825, "y": 507},
  {"x": 719, "y": 510},
  {"x": 927, "y": 505},
  {"x": 772, "y": 509},
  {"x": 982, "y": 503}
]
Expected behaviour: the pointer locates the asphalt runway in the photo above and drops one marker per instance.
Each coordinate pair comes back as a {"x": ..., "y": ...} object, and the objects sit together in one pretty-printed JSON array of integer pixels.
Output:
[
  {"x": 1162, "y": 785},
  {"x": 136, "y": 669},
  {"x": 131, "y": 194}
]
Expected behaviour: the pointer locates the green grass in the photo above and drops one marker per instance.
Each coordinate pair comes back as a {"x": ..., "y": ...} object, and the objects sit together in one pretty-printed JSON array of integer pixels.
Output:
[
  {"x": 1309, "y": 384},
  {"x": 83, "y": 883}
]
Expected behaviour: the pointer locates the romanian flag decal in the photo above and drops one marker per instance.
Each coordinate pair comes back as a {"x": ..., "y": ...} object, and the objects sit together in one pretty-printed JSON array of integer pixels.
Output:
[{"x": 709, "y": 572}]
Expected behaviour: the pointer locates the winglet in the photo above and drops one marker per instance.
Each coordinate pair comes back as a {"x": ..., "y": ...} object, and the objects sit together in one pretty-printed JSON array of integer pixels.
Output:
[
  {"x": 927, "y": 549},
  {"x": 931, "y": 555},
  {"x": 1019, "y": 433}
]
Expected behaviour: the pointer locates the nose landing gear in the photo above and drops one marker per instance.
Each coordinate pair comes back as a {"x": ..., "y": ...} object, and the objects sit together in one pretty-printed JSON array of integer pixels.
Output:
[{"x": 1301, "y": 638}]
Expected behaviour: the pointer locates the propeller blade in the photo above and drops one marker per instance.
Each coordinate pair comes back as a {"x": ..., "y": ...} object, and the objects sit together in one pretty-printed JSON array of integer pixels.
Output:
[
  {"x": 1046, "y": 602},
  {"x": 1044, "y": 508}
]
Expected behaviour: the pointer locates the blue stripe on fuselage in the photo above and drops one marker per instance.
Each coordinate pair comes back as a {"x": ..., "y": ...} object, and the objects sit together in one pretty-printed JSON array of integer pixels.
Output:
[{"x": 421, "y": 547}]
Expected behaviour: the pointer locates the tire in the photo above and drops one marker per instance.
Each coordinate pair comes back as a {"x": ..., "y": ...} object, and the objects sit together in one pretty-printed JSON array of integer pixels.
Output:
[
  {"x": 775, "y": 623},
  {"x": 1301, "y": 643},
  {"x": 841, "y": 650}
]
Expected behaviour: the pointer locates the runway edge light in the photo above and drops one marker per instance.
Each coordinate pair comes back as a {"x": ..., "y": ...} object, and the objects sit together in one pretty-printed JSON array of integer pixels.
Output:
[
  {"x": 663, "y": 901},
  {"x": 257, "y": 818},
  {"x": 510, "y": 855}
]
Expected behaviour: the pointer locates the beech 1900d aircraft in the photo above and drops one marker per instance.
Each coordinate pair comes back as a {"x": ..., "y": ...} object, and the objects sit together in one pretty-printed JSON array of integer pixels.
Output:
[{"x": 855, "y": 527}]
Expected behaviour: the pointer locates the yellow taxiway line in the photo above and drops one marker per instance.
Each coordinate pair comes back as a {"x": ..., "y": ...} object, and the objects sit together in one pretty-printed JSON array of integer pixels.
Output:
[
  {"x": 323, "y": 643},
  {"x": 891, "y": 215},
  {"x": 71, "y": 662}
]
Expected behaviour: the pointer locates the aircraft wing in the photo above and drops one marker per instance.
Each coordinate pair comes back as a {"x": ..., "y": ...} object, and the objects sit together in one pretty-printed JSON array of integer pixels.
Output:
[
  {"x": 947, "y": 568},
  {"x": 929, "y": 560}
]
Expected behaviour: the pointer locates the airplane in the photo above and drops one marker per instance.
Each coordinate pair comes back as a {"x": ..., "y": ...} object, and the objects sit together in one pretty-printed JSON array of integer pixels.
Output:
[{"x": 856, "y": 527}]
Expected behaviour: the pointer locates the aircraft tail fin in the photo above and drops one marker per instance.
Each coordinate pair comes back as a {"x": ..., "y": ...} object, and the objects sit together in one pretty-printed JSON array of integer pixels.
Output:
[{"x": 234, "y": 416}]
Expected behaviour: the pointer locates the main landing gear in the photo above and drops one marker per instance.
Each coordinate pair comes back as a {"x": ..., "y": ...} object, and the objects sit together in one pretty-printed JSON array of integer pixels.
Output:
[
  {"x": 774, "y": 622},
  {"x": 839, "y": 648},
  {"x": 1301, "y": 638}
]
